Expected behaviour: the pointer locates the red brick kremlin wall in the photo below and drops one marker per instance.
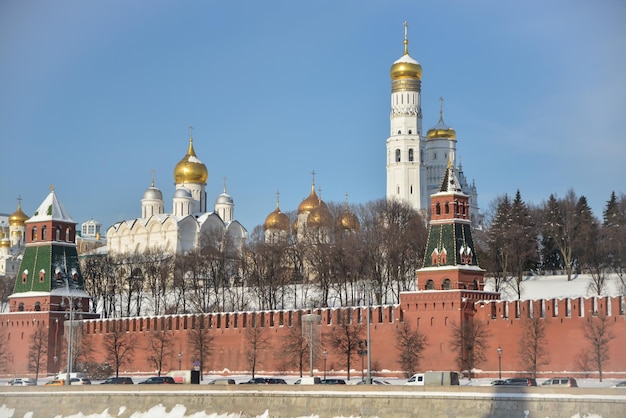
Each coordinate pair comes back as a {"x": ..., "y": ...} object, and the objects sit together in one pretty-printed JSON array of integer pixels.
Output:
[{"x": 432, "y": 312}]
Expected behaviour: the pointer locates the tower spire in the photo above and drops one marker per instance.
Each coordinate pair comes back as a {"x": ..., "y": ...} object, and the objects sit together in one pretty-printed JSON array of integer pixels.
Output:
[{"x": 406, "y": 38}]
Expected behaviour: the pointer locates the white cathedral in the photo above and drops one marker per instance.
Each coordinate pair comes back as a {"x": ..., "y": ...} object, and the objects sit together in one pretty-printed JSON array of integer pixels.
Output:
[
  {"x": 182, "y": 230},
  {"x": 416, "y": 162}
]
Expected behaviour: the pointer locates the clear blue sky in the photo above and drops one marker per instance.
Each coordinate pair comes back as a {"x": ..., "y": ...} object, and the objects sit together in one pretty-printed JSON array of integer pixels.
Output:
[{"x": 96, "y": 94}]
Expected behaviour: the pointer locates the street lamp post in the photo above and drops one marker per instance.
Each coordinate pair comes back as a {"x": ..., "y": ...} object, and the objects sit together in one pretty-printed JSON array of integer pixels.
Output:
[
  {"x": 325, "y": 356},
  {"x": 180, "y": 360},
  {"x": 499, "y": 362},
  {"x": 70, "y": 315}
]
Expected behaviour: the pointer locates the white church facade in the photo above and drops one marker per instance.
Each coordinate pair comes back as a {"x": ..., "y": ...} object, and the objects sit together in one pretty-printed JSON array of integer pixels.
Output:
[{"x": 183, "y": 229}]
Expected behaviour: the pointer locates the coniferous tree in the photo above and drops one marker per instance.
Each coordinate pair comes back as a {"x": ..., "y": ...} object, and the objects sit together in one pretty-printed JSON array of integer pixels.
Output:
[{"x": 522, "y": 242}]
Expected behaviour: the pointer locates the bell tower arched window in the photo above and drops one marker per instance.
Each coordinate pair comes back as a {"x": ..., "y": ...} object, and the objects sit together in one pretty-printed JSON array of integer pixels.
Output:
[
  {"x": 410, "y": 154},
  {"x": 397, "y": 155}
]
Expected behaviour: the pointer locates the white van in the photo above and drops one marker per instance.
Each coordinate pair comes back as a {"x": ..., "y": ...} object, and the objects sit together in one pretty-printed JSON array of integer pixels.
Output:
[
  {"x": 75, "y": 375},
  {"x": 416, "y": 380}
]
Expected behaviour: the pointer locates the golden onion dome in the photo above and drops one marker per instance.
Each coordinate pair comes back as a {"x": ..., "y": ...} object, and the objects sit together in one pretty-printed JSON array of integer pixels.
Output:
[
  {"x": 5, "y": 243},
  {"x": 348, "y": 221},
  {"x": 276, "y": 221},
  {"x": 190, "y": 169},
  {"x": 319, "y": 217},
  {"x": 310, "y": 203},
  {"x": 18, "y": 218},
  {"x": 406, "y": 67},
  {"x": 441, "y": 130}
]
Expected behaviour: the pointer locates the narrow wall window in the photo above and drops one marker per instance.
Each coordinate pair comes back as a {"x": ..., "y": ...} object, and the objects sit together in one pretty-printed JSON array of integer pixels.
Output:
[
  {"x": 33, "y": 234},
  {"x": 44, "y": 233},
  {"x": 410, "y": 152},
  {"x": 397, "y": 155}
]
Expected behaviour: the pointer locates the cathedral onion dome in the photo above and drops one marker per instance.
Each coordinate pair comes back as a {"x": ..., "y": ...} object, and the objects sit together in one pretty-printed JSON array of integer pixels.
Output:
[
  {"x": 319, "y": 217},
  {"x": 348, "y": 221},
  {"x": 190, "y": 169},
  {"x": 276, "y": 221},
  {"x": 310, "y": 202},
  {"x": 224, "y": 198},
  {"x": 152, "y": 193},
  {"x": 18, "y": 218},
  {"x": 406, "y": 67},
  {"x": 441, "y": 130},
  {"x": 182, "y": 192},
  {"x": 5, "y": 243}
]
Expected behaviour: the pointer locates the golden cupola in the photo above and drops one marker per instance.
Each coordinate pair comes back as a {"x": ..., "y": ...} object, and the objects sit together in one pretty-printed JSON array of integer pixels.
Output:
[
  {"x": 348, "y": 220},
  {"x": 18, "y": 218},
  {"x": 190, "y": 169},
  {"x": 319, "y": 217},
  {"x": 441, "y": 130},
  {"x": 310, "y": 203},
  {"x": 406, "y": 67},
  {"x": 276, "y": 220}
]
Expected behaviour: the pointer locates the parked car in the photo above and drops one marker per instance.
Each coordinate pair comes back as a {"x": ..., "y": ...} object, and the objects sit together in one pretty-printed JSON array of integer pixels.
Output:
[
  {"x": 497, "y": 382},
  {"x": 308, "y": 381},
  {"x": 56, "y": 382},
  {"x": 568, "y": 382},
  {"x": 333, "y": 382},
  {"x": 80, "y": 381},
  {"x": 520, "y": 381},
  {"x": 118, "y": 381},
  {"x": 620, "y": 384},
  {"x": 159, "y": 380},
  {"x": 222, "y": 382},
  {"x": 374, "y": 382},
  {"x": 276, "y": 381},
  {"x": 22, "y": 381},
  {"x": 256, "y": 381}
]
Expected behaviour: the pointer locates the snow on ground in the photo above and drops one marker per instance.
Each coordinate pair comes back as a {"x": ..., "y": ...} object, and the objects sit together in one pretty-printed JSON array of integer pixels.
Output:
[{"x": 548, "y": 287}]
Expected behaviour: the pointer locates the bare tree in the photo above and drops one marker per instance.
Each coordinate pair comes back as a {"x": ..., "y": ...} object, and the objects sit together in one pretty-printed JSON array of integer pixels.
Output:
[
  {"x": 5, "y": 353},
  {"x": 7, "y": 284},
  {"x": 344, "y": 339},
  {"x": 598, "y": 334},
  {"x": 532, "y": 349},
  {"x": 200, "y": 341},
  {"x": 159, "y": 348},
  {"x": 37, "y": 350},
  {"x": 257, "y": 341},
  {"x": 295, "y": 348},
  {"x": 410, "y": 343},
  {"x": 469, "y": 341},
  {"x": 100, "y": 283},
  {"x": 118, "y": 346}
]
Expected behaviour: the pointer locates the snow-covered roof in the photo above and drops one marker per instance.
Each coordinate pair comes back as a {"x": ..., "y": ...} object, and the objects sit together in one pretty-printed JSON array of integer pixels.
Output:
[{"x": 51, "y": 209}]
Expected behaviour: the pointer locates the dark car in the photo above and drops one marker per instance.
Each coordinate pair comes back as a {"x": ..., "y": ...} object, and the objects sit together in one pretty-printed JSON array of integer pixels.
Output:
[
  {"x": 256, "y": 381},
  {"x": 118, "y": 381},
  {"x": 520, "y": 381},
  {"x": 275, "y": 381},
  {"x": 333, "y": 382},
  {"x": 621, "y": 384},
  {"x": 497, "y": 382},
  {"x": 159, "y": 380}
]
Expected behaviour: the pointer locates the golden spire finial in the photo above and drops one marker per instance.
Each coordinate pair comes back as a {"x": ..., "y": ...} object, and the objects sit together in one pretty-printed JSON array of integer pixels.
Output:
[
  {"x": 440, "y": 109},
  {"x": 52, "y": 187},
  {"x": 277, "y": 198},
  {"x": 313, "y": 181},
  {"x": 406, "y": 38},
  {"x": 19, "y": 202}
]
